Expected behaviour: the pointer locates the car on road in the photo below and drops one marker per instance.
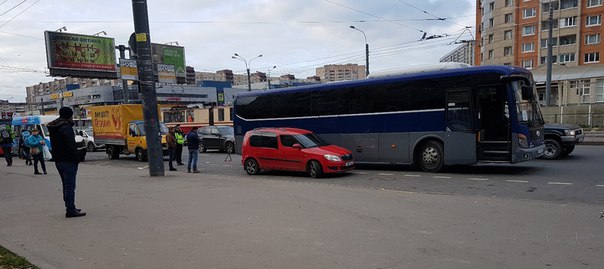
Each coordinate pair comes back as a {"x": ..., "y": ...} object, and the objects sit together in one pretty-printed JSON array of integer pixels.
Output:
[
  {"x": 88, "y": 136},
  {"x": 560, "y": 139},
  {"x": 216, "y": 137},
  {"x": 292, "y": 149}
]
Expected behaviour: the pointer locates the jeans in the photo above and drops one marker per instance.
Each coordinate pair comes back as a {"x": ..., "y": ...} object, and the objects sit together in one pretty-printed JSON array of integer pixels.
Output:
[
  {"x": 171, "y": 152},
  {"x": 68, "y": 172},
  {"x": 8, "y": 155},
  {"x": 39, "y": 158},
  {"x": 26, "y": 154},
  {"x": 193, "y": 155},
  {"x": 179, "y": 153}
]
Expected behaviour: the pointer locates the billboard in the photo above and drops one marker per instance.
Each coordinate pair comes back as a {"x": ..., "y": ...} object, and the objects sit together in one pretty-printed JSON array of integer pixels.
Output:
[
  {"x": 80, "y": 55},
  {"x": 172, "y": 55}
]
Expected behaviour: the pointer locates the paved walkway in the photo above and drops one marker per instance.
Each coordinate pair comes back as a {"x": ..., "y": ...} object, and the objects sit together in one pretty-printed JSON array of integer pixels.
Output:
[{"x": 215, "y": 221}]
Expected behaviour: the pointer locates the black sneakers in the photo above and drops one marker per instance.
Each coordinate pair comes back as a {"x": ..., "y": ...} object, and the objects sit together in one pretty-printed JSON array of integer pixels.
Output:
[{"x": 75, "y": 214}]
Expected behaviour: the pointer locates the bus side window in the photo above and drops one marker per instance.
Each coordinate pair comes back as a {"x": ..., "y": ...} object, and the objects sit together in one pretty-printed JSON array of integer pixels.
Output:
[{"x": 459, "y": 114}]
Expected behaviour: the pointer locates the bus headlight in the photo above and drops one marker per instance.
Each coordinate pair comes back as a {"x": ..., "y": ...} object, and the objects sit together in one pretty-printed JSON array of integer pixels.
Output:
[
  {"x": 522, "y": 141},
  {"x": 569, "y": 132},
  {"x": 332, "y": 158}
]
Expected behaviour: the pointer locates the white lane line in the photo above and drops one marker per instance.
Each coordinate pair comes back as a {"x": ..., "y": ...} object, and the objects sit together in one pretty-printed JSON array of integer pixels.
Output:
[
  {"x": 385, "y": 174},
  {"x": 517, "y": 181},
  {"x": 412, "y": 175},
  {"x": 478, "y": 179},
  {"x": 559, "y": 183},
  {"x": 441, "y": 177},
  {"x": 360, "y": 173},
  {"x": 144, "y": 167},
  {"x": 602, "y": 186}
]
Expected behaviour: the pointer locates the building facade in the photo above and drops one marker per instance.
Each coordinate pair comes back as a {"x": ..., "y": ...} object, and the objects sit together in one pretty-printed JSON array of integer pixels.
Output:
[
  {"x": 464, "y": 53},
  {"x": 339, "y": 72},
  {"x": 516, "y": 32}
]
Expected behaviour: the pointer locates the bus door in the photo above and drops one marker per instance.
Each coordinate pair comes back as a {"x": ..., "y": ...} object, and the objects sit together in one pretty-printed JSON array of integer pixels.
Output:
[
  {"x": 460, "y": 137},
  {"x": 494, "y": 124}
]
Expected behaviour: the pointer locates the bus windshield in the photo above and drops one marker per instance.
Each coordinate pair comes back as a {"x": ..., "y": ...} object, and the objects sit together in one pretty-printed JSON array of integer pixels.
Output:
[{"x": 527, "y": 110}]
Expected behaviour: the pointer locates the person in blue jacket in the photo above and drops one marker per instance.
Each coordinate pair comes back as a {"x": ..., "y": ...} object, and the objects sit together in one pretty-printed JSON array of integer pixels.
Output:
[{"x": 36, "y": 144}]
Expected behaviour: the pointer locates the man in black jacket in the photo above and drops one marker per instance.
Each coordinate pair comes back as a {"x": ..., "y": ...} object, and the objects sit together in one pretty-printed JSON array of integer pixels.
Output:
[{"x": 66, "y": 157}]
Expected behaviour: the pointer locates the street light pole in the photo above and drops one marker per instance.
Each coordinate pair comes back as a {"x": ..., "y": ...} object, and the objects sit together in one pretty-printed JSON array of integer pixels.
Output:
[
  {"x": 366, "y": 50},
  {"x": 247, "y": 67},
  {"x": 268, "y": 77}
]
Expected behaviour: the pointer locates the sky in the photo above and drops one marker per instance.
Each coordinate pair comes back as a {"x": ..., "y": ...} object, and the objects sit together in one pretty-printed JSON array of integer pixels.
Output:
[{"x": 293, "y": 35}]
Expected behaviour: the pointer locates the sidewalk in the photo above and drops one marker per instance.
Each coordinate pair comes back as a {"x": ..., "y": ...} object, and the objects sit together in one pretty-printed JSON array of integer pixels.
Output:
[
  {"x": 217, "y": 221},
  {"x": 593, "y": 138}
]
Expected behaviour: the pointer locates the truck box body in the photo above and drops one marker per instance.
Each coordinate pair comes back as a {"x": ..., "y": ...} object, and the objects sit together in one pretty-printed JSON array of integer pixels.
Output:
[
  {"x": 121, "y": 129},
  {"x": 110, "y": 123}
]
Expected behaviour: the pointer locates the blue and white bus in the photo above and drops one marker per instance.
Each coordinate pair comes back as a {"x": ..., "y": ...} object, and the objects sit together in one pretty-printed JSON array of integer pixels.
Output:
[{"x": 428, "y": 118}]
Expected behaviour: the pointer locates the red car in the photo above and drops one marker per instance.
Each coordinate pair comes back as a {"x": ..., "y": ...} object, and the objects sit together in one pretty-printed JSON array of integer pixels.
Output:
[{"x": 293, "y": 150}]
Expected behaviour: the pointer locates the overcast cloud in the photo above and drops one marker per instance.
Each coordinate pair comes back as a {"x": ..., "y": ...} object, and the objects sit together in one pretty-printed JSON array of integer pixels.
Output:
[{"x": 296, "y": 36}]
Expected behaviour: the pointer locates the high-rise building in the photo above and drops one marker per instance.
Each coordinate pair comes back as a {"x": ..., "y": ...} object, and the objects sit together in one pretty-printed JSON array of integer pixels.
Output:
[
  {"x": 515, "y": 32},
  {"x": 464, "y": 53},
  {"x": 339, "y": 72}
]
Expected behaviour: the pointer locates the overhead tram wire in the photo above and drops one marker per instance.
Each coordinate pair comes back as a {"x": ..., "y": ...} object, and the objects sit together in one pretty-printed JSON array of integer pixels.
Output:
[
  {"x": 11, "y": 19},
  {"x": 17, "y": 5},
  {"x": 378, "y": 17},
  {"x": 437, "y": 18}
]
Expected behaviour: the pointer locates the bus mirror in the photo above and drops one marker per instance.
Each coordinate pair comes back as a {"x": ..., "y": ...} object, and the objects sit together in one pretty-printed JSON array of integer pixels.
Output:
[{"x": 527, "y": 92}]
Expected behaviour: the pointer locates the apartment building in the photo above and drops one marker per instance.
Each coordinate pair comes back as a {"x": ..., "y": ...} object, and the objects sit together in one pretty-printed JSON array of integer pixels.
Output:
[
  {"x": 339, "y": 72},
  {"x": 464, "y": 53},
  {"x": 515, "y": 32}
]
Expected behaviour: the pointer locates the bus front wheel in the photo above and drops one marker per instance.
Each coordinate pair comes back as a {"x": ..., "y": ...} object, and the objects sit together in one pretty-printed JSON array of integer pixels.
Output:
[{"x": 430, "y": 156}]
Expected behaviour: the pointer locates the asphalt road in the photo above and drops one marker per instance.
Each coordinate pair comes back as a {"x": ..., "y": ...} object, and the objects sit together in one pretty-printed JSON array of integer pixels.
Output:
[{"x": 578, "y": 178}]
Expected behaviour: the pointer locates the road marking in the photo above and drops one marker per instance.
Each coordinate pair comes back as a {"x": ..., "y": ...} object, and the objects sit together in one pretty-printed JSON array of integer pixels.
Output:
[
  {"x": 385, "y": 174},
  {"x": 478, "y": 179},
  {"x": 517, "y": 181},
  {"x": 102, "y": 163},
  {"x": 412, "y": 175},
  {"x": 559, "y": 183},
  {"x": 600, "y": 186},
  {"x": 144, "y": 167},
  {"x": 441, "y": 177},
  {"x": 360, "y": 173}
]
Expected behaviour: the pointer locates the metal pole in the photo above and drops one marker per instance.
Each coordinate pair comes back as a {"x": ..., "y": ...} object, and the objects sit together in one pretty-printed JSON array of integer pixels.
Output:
[
  {"x": 548, "y": 78},
  {"x": 249, "y": 82},
  {"x": 122, "y": 50},
  {"x": 366, "y": 59},
  {"x": 147, "y": 87}
]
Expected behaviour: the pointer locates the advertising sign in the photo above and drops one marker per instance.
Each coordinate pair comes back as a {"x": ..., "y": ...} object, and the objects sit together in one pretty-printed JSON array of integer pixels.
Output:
[
  {"x": 173, "y": 55},
  {"x": 165, "y": 73},
  {"x": 80, "y": 55},
  {"x": 128, "y": 69}
]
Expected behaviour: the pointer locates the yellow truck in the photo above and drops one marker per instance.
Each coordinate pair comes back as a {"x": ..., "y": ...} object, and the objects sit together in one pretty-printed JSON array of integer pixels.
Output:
[{"x": 121, "y": 128}]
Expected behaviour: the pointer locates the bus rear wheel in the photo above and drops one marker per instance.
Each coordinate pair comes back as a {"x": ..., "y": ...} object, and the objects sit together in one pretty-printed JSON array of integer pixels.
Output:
[{"x": 430, "y": 156}]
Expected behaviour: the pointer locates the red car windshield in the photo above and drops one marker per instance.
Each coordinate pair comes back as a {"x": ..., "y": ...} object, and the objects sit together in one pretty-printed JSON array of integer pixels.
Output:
[{"x": 310, "y": 140}]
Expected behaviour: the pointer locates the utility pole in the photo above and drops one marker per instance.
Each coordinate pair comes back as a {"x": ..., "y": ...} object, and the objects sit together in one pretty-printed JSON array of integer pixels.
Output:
[
  {"x": 550, "y": 40},
  {"x": 366, "y": 59},
  {"x": 147, "y": 87}
]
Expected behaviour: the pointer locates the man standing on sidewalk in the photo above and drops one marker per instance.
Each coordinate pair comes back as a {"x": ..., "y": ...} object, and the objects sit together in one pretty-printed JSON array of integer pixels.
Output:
[
  {"x": 193, "y": 146},
  {"x": 66, "y": 157},
  {"x": 180, "y": 140},
  {"x": 171, "y": 141}
]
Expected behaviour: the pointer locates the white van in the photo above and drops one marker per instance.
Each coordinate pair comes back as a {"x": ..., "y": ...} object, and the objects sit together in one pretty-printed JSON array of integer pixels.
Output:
[{"x": 39, "y": 122}]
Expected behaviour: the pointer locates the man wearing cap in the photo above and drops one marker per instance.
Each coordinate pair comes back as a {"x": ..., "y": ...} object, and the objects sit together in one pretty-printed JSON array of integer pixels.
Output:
[{"x": 66, "y": 157}]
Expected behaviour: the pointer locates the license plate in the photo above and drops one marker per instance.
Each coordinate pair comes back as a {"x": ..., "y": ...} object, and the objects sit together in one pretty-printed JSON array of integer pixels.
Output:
[{"x": 349, "y": 163}]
